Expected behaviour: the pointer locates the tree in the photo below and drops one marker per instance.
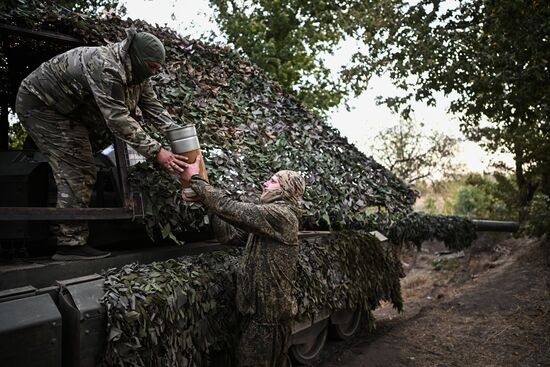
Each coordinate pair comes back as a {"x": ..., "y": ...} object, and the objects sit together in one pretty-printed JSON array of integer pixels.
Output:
[
  {"x": 413, "y": 155},
  {"x": 287, "y": 39},
  {"x": 491, "y": 55},
  {"x": 486, "y": 196}
]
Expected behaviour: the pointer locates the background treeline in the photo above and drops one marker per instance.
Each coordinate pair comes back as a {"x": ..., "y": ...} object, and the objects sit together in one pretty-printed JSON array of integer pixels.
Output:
[{"x": 483, "y": 196}]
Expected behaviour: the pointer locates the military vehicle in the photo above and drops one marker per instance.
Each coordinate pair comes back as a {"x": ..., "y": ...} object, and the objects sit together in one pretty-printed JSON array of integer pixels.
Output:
[{"x": 50, "y": 313}]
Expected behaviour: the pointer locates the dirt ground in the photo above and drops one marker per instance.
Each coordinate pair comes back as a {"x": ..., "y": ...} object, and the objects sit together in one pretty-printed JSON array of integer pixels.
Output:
[{"x": 488, "y": 306}]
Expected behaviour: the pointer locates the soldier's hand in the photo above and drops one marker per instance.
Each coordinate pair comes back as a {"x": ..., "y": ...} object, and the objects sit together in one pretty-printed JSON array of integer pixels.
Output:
[
  {"x": 172, "y": 162},
  {"x": 188, "y": 199},
  {"x": 191, "y": 169}
]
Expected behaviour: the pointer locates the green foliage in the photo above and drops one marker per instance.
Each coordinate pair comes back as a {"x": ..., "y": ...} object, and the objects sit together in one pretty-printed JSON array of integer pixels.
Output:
[
  {"x": 287, "y": 39},
  {"x": 17, "y": 136},
  {"x": 474, "y": 195},
  {"x": 491, "y": 57},
  {"x": 456, "y": 232},
  {"x": 430, "y": 206},
  {"x": 538, "y": 222},
  {"x": 487, "y": 197},
  {"x": 473, "y": 201},
  {"x": 413, "y": 155},
  {"x": 174, "y": 312}
]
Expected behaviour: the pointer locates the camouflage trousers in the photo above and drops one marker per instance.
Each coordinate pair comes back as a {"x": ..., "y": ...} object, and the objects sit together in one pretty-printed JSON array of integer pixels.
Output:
[
  {"x": 264, "y": 344},
  {"x": 66, "y": 145}
]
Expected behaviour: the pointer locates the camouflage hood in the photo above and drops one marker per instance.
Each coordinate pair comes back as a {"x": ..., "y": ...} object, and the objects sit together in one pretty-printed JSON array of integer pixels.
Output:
[{"x": 292, "y": 189}]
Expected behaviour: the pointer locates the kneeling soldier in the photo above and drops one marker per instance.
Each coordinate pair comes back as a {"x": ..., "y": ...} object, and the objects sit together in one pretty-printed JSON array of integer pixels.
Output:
[{"x": 268, "y": 267}]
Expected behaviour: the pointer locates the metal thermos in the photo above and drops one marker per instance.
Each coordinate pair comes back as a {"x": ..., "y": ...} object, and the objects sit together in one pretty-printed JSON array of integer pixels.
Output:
[{"x": 184, "y": 141}]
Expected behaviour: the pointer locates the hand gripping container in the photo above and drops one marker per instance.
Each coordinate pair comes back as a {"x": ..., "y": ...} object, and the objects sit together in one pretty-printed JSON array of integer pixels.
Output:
[{"x": 184, "y": 141}]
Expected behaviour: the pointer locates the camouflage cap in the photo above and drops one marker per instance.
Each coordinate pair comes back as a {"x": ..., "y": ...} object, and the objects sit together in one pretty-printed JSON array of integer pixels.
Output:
[{"x": 292, "y": 184}]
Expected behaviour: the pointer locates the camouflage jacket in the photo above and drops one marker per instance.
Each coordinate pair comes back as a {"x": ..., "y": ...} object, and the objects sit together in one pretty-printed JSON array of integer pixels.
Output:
[
  {"x": 94, "y": 85},
  {"x": 268, "y": 267}
]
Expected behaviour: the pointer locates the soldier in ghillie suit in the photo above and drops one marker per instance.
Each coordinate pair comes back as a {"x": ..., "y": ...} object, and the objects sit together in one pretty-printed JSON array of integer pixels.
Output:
[
  {"x": 83, "y": 90},
  {"x": 268, "y": 267}
]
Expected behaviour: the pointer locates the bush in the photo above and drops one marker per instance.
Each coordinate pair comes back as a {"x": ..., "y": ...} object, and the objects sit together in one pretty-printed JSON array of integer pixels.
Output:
[
  {"x": 538, "y": 222},
  {"x": 488, "y": 197},
  {"x": 473, "y": 201}
]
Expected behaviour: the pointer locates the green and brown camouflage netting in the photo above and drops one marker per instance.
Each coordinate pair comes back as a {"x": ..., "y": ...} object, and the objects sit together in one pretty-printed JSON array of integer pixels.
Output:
[
  {"x": 248, "y": 127},
  {"x": 182, "y": 312}
]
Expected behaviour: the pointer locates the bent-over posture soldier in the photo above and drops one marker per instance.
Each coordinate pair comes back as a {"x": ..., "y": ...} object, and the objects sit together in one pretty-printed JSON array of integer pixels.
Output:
[
  {"x": 268, "y": 267},
  {"x": 82, "y": 90}
]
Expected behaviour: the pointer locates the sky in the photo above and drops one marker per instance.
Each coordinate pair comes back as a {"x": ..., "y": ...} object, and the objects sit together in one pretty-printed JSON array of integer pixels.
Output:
[{"x": 365, "y": 119}]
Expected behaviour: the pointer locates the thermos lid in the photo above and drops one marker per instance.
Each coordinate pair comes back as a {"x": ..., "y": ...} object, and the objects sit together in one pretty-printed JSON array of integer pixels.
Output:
[
  {"x": 185, "y": 144},
  {"x": 181, "y": 132}
]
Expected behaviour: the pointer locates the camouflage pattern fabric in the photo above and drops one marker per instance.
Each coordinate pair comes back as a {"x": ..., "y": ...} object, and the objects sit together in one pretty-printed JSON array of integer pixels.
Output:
[
  {"x": 264, "y": 344},
  {"x": 67, "y": 147},
  {"x": 292, "y": 186},
  {"x": 225, "y": 233},
  {"x": 97, "y": 81},
  {"x": 266, "y": 273}
]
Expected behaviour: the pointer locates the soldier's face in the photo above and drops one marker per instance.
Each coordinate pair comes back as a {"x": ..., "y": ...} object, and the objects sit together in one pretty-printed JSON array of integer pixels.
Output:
[
  {"x": 272, "y": 183},
  {"x": 153, "y": 66}
]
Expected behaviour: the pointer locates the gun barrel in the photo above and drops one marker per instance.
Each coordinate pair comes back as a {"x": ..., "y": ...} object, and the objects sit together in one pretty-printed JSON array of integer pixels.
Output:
[{"x": 495, "y": 225}]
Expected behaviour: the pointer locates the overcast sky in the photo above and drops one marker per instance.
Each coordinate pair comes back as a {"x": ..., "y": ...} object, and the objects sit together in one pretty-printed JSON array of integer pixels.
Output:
[{"x": 365, "y": 119}]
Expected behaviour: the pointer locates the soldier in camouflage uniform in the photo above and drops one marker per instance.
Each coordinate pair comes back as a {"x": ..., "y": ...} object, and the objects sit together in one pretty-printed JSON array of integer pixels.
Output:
[
  {"x": 268, "y": 267},
  {"x": 82, "y": 90}
]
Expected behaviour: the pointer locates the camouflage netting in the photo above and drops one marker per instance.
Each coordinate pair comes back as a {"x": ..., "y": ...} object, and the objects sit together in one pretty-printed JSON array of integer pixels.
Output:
[
  {"x": 456, "y": 232},
  {"x": 248, "y": 126},
  {"x": 180, "y": 312}
]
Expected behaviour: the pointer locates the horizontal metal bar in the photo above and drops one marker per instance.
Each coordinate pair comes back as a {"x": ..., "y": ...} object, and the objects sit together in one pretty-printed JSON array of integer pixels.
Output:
[
  {"x": 495, "y": 225},
  {"x": 52, "y": 36},
  {"x": 63, "y": 214}
]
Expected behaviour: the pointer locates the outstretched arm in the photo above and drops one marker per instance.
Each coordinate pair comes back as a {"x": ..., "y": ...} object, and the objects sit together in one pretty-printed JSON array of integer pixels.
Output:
[
  {"x": 108, "y": 90},
  {"x": 275, "y": 220}
]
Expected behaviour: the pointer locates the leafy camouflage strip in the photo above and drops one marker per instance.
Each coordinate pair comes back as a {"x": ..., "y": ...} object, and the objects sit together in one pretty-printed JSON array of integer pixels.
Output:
[
  {"x": 93, "y": 85},
  {"x": 456, "y": 232},
  {"x": 182, "y": 312}
]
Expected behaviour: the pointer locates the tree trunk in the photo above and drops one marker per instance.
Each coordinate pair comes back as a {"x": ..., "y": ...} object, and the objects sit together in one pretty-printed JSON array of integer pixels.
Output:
[
  {"x": 526, "y": 187},
  {"x": 545, "y": 181},
  {"x": 4, "y": 126}
]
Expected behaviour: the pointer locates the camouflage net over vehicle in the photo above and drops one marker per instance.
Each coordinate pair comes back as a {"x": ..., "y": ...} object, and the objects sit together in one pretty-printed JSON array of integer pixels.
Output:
[
  {"x": 248, "y": 127},
  {"x": 179, "y": 312},
  {"x": 456, "y": 232}
]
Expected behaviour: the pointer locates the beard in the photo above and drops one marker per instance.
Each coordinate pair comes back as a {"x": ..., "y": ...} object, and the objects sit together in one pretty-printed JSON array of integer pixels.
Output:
[{"x": 269, "y": 196}]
